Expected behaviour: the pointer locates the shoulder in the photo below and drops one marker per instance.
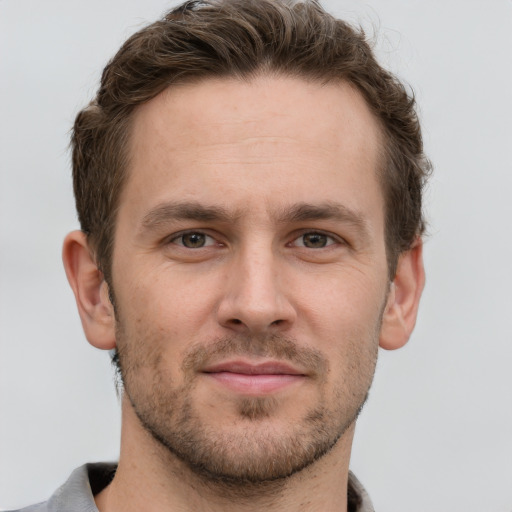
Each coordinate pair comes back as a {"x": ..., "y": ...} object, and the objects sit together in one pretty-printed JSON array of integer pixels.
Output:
[{"x": 77, "y": 493}]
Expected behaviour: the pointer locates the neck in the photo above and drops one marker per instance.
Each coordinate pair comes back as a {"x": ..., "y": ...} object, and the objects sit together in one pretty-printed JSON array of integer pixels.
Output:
[{"x": 151, "y": 478}]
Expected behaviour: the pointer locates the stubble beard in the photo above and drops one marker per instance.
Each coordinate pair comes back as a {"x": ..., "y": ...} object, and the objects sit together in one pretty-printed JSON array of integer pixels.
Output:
[{"x": 249, "y": 453}]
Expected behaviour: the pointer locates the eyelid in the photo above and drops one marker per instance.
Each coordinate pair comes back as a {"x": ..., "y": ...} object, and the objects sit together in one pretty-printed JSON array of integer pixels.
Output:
[
  {"x": 334, "y": 239},
  {"x": 180, "y": 234},
  {"x": 213, "y": 240}
]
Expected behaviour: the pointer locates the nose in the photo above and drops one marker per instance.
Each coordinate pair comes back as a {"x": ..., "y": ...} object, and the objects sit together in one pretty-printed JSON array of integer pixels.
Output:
[{"x": 254, "y": 300}]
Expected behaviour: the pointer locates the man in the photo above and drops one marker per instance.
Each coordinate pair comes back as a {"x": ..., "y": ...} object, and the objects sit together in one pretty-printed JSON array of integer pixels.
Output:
[{"x": 248, "y": 182}]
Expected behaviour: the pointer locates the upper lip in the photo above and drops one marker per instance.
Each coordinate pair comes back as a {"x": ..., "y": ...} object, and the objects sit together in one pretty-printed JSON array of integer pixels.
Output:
[{"x": 253, "y": 368}]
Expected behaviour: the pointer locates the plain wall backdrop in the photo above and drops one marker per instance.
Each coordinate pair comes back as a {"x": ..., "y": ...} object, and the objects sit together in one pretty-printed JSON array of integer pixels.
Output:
[{"x": 436, "y": 433}]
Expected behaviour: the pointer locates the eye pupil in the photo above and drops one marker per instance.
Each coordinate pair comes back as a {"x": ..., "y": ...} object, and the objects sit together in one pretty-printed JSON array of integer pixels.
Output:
[
  {"x": 314, "y": 240},
  {"x": 194, "y": 240}
]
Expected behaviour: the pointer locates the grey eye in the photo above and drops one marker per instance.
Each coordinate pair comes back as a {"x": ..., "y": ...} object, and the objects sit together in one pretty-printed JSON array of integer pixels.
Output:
[
  {"x": 315, "y": 240},
  {"x": 193, "y": 240}
]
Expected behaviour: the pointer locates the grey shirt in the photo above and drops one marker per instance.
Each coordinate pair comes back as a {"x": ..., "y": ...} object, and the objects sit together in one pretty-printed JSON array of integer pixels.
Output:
[{"x": 77, "y": 494}]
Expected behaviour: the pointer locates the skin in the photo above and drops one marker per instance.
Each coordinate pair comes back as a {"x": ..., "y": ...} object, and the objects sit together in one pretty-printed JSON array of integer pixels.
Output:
[{"x": 250, "y": 234}]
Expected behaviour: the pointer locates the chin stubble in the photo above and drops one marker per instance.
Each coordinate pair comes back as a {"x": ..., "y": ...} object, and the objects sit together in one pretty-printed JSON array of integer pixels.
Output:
[{"x": 247, "y": 455}]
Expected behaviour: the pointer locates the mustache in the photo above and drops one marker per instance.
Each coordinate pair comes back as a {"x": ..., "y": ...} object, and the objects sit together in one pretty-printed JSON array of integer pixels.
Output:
[{"x": 272, "y": 346}]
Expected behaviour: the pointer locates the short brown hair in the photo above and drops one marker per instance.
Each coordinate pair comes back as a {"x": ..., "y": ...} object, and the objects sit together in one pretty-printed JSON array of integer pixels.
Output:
[{"x": 241, "y": 38}]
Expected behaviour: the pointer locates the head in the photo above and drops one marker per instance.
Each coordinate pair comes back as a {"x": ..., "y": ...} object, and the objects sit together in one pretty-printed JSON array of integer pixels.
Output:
[
  {"x": 248, "y": 181},
  {"x": 242, "y": 39}
]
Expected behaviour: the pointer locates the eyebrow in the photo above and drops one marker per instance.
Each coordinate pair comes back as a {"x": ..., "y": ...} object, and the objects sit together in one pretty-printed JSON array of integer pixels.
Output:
[
  {"x": 166, "y": 212},
  {"x": 326, "y": 211},
  {"x": 304, "y": 212},
  {"x": 301, "y": 212}
]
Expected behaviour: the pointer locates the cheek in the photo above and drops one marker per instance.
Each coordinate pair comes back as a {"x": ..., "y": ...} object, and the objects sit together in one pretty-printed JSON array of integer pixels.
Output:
[
  {"x": 343, "y": 304},
  {"x": 161, "y": 320},
  {"x": 167, "y": 299}
]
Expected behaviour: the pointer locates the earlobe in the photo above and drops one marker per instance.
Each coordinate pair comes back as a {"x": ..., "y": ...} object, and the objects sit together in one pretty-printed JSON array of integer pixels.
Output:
[
  {"x": 403, "y": 301},
  {"x": 91, "y": 291}
]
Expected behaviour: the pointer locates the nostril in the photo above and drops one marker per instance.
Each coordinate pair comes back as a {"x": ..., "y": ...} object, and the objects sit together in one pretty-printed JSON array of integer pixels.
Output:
[
  {"x": 277, "y": 322},
  {"x": 236, "y": 321}
]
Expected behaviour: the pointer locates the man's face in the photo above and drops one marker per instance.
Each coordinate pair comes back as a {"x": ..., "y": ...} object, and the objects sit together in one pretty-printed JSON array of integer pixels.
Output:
[{"x": 249, "y": 271}]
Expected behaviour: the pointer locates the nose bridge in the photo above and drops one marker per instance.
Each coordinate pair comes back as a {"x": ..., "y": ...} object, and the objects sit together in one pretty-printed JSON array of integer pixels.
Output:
[
  {"x": 254, "y": 298},
  {"x": 258, "y": 276}
]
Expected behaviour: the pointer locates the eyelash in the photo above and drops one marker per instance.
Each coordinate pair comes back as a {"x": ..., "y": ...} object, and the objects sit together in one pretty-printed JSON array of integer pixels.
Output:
[
  {"x": 181, "y": 235},
  {"x": 330, "y": 239}
]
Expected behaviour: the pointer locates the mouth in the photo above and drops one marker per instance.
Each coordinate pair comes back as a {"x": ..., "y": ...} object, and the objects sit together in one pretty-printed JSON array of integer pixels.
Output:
[{"x": 254, "y": 379}]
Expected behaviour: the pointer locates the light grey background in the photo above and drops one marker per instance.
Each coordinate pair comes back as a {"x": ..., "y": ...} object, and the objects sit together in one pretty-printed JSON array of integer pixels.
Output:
[{"x": 437, "y": 431}]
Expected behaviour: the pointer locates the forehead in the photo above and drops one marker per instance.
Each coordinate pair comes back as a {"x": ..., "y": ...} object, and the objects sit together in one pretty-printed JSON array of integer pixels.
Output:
[
  {"x": 207, "y": 111},
  {"x": 281, "y": 137}
]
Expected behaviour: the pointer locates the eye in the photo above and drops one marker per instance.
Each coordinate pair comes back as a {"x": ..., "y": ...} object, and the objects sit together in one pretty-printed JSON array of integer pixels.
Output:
[
  {"x": 314, "y": 240},
  {"x": 193, "y": 240}
]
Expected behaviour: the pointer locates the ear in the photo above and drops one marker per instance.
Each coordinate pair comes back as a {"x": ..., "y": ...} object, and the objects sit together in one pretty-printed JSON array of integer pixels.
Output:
[
  {"x": 404, "y": 298},
  {"x": 91, "y": 291}
]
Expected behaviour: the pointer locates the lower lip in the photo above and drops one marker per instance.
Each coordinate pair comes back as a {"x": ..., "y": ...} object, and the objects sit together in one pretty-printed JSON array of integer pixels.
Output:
[{"x": 255, "y": 384}]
